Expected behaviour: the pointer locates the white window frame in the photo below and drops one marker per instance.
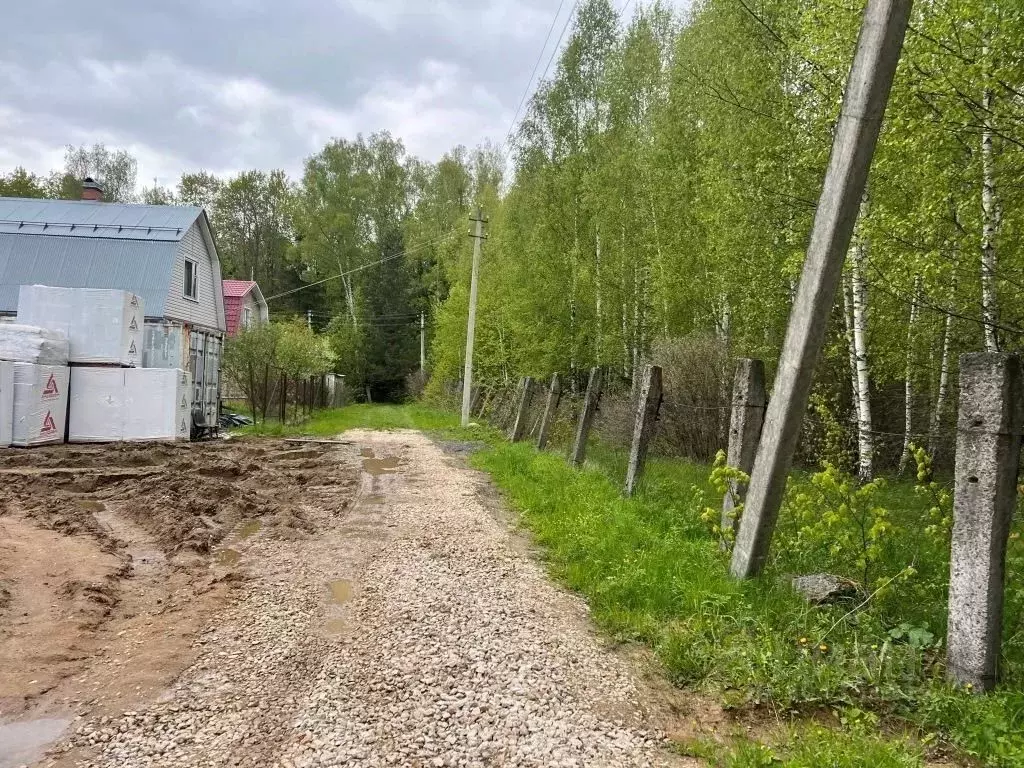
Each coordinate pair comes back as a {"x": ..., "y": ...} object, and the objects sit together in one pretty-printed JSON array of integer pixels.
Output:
[
  {"x": 194, "y": 296},
  {"x": 247, "y": 317}
]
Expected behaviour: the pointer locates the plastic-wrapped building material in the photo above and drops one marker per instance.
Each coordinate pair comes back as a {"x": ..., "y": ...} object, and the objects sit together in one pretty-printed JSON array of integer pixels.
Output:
[
  {"x": 129, "y": 404},
  {"x": 102, "y": 325},
  {"x": 40, "y": 404},
  {"x": 158, "y": 404},
  {"x": 31, "y": 344},
  {"x": 96, "y": 411},
  {"x": 165, "y": 345},
  {"x": 6, "y": 403}
]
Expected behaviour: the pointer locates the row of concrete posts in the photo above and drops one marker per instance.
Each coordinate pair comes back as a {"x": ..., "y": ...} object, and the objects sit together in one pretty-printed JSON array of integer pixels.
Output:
[{"x": 988, "y": 451}]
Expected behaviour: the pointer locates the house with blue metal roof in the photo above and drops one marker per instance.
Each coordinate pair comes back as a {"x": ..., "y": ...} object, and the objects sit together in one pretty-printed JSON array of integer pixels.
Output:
[{"x": 163, "y": 253}]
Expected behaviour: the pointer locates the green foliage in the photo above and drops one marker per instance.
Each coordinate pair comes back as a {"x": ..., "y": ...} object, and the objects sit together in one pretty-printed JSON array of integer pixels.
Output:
[
  {"x": 301, "y": 352},
  {"x": 250, "y": 361}
]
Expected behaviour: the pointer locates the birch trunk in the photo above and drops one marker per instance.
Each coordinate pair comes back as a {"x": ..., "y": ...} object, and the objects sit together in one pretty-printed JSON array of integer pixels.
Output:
[
  {"x": 851, "y": 347},
  {"x": 598, "y": 304},
  {"x": 908, "y": 381},
  {"x": 990, "y": 215},
  {"x": 943, "y": 393},
  {"x": 859, "y": 289},
  {"x": 725, "y": 385}
]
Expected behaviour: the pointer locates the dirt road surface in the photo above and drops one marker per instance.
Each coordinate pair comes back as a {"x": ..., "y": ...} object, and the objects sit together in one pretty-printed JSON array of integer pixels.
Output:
[{"x": 393, "y": 619}]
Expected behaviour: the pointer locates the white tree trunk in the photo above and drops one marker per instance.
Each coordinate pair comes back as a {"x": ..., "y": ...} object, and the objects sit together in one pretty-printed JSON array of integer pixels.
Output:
[
  {"x": 851, "y": 348},
  {"x": 598, "y": 304},
  {"x": 989, "y": 228},
  {"x": 865, "y": 440},
  {"x": 943, "y": 394},
  {"x": 908, "y": 380}
]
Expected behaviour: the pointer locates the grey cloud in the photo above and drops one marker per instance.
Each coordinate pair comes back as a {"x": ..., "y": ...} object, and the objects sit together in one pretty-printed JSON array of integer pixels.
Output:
[{"x": 235, "y": 84}]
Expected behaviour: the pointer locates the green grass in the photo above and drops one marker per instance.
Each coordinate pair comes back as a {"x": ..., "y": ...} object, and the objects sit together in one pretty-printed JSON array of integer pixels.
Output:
[
  {"x": 653, "y": 573},
  {"x": 384, "y": 417}
]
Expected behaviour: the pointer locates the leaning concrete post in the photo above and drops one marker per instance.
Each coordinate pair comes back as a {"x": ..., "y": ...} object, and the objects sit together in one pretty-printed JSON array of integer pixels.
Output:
[
  {"x": 747, "y": 417},
  {"x": 579, "y": 449},
  {"x": 550, "y": 409},
  {"x": 988, "y": 446},
  {"x": 648, "y": 404},
  {"x": 523, "y": 412},
  {"x": 867, "y": 92}
]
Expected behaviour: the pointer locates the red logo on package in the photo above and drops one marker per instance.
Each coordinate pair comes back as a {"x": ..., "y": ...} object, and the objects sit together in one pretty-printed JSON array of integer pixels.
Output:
[
  {"x": 49, "y": 426},
  {"x": 50, "y": 391}
]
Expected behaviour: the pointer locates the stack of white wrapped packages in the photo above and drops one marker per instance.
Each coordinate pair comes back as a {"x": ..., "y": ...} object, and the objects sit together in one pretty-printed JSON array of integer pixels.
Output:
[
  {"x": 128, "y": 404},
  {"x": 99, "y": 333},
  {"x": 102, "y": 326},
  {"x": 33, "y": 385}
]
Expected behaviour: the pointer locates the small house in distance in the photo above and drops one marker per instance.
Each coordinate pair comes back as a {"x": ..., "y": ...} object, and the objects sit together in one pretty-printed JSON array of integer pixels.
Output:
[
  {"x": 244, "y": 305},
  {"x": 163, "y": 253}
]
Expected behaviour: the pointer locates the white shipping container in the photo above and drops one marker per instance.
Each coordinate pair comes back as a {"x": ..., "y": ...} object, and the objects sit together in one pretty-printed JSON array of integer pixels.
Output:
[
  {"x": 32, "y": 344},
  {"x": 158, "y": 404},
  {"x": 6, "y": 403},
  {"x": 97, "y": 409},
  {"x": 40, "y": 404},
  {"x": 102, "y": 325}
]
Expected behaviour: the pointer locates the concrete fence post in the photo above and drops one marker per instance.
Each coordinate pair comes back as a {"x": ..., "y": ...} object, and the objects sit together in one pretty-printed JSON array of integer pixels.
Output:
[
  {"x": 579, "y": 449},
  {"x": 550, "y": 410},
  {"x": 988, "y": 446},
  {"x": 853, "y": 145},
  {"x": 648, "y": 403},
  {"x": 523, "y": 412},
  {"x": 745, "y": 422}
]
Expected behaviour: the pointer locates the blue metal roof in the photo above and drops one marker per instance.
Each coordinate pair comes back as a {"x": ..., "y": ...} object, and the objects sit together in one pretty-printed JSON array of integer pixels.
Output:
[{"x": 82, "y": 244}]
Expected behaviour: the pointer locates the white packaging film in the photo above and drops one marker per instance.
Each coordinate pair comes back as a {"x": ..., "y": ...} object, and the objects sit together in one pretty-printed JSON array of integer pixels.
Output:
[
  {"x": 6, "y": 403},
  {"x": 40, "y": 404},
  {"x": 32, "y": 344},
  {"x": 158, "y": 404},
  {"x": 96, "y": 413},
  {"x": 102, "y": 325},
  {"x": 130, "y": 404}
]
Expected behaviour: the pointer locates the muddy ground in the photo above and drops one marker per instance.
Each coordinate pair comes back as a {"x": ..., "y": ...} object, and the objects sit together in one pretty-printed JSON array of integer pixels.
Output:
[{"x": 114, "y": 558}]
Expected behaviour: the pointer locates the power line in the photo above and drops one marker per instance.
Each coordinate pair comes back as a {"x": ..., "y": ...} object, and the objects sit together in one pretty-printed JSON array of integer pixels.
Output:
[
  {"x": 536, "y": 65},
  {"x": 420, "y": 247},
  {"x": 554, "y": 52}
]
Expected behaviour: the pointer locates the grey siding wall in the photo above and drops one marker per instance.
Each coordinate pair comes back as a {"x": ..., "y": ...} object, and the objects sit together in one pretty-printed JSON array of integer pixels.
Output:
[
  {"x": 249, "y": 302},
  {"x": 204, "y": 311}
]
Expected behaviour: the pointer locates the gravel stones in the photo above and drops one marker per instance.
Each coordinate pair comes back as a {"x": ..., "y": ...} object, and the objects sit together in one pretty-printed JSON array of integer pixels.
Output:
[{"x": 453, "y": 649}]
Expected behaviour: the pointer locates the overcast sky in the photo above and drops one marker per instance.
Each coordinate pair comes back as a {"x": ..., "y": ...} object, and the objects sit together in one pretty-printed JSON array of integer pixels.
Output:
[{"x": 225, "y": 85}]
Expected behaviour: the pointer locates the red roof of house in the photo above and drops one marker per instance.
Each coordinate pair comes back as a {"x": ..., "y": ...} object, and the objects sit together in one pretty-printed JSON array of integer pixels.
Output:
[
  {"x": 234, "y": 292},
  {"x": 237, "y": 289}
]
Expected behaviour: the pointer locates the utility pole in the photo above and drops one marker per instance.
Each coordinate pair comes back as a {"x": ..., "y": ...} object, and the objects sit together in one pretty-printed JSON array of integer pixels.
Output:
[
  {"x": 309, "y": 319},
  {"x": 423, "y": 343},
  {"x": 867, "y": 94},
  {"x": 467, "y": 377}
]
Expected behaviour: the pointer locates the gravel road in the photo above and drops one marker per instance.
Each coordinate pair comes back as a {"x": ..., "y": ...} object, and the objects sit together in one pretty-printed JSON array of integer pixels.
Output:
[{"x": 418, "y": 632}]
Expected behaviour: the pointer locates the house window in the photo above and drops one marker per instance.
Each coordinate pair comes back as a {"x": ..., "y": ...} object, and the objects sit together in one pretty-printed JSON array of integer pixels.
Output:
[
  {"x": 246, "y": 317},
  {"x": 191, "y": 288}
]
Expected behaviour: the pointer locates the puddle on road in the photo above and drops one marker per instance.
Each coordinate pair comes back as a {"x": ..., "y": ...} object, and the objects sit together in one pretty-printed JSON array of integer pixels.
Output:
[
  {"x": 386, "y": 466},
  {"x": 91, "y": 506},
  {"x": 335, "y": 626},
  {"x": 228, "y": 556},
  {"x": 374, "y": 466},
  {"x": 249, "y": 529},
  {"x": 24, "y": 743},
  {"x": 374, "y": 498},
  {"x": 341, "y": 591}
]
